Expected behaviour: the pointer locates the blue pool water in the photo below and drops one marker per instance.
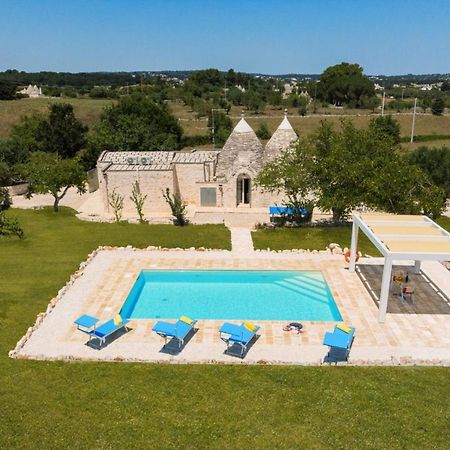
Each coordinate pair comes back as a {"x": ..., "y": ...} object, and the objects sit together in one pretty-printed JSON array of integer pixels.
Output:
[{"x": 231, "y": 295}]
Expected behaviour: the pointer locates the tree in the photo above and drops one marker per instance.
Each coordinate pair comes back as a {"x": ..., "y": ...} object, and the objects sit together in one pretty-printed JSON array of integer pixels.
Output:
[
  {"x": 291, "y": 173},
  {"x": 386, "y": 125},
  {"x": 21, "y": 142},
  {"x": 49, "y": 173},
  {"x": 221, "y": 126},
  {"x": 8, "y": 225},
  {"x": 363, "y": 167},
  {"x": 138, "y": 200},
  {"x": 254, "y": 101},
  {"x": 341, "y": 168},
  {"x": 7, "y": 90},
  {"x": 445, "y": 86},
  {"x": 263, "y": 132},
  {"x": 137, "y": 123},
  {"x": 337, "y": 171},
  {"x": 302, "y": 104},
  {"x": 6, "y": 176},
  {"x": 177, "y": 207},
  {"x": 371, "y": 102},
  {"x": 437, "y": 108},
  {"x": 61, "y": 132},
  {"x": 402, "y": 188},
  {"x": 5, "y": 199},
  {"x": 343, "y": 84},
  {"x": 435, "y": 162},
  {"x": 426, "y": 102}
]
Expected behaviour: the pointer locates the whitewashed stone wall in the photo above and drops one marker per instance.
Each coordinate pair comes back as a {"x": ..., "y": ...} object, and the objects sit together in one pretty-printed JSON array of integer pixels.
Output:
[
  {"x": 151, "y": 182},
  {"x": 187, "y": 178}
]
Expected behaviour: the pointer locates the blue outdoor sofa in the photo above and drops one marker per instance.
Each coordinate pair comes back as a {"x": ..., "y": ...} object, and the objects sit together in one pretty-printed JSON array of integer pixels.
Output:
[
  {"x": 178, "y": 330},
  {"x": 286, "y": 211},
  {"x": 240, "y": 335}
]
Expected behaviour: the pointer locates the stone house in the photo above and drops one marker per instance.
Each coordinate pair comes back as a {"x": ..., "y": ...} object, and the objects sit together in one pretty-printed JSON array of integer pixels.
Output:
[
  {"x": 215, "y": 183},
  {"x": 32, "y": 91}
]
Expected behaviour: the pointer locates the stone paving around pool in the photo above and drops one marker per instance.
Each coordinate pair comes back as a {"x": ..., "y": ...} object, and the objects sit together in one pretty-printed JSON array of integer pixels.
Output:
[{"x": 409, "y": 336}]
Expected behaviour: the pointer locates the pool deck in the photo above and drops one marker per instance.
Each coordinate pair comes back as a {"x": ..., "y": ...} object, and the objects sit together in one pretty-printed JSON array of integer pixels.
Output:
[{"x": 410, "y": 335}]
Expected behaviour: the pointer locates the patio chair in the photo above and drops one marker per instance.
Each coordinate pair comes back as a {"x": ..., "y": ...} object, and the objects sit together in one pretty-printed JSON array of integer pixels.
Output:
[
  {"x": 87, "y": 324},
  {"x": 178, "y": 330},
  {"x": 340, "y": 342},
  {"x": 240, "y": 335}
]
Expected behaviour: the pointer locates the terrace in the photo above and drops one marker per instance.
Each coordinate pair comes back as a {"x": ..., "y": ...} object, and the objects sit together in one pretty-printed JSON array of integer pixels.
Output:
[{"x": 103, "y": 284}]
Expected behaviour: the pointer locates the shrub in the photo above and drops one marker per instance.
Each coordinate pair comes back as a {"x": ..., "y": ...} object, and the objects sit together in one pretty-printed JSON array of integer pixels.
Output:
[
  {"x": 5, "y": 199},
  {"x": 263, "y": 132},
  {"x": 198, "y": 139},
  {"x": 9, "y": 226},
  {"x": 138, "y": 200},
  {"x": 437, "y": 108},
  {"x": 386, "y": 125},
  {"x": 177, "y": 206},
  {"x": 115, "y": 200}
]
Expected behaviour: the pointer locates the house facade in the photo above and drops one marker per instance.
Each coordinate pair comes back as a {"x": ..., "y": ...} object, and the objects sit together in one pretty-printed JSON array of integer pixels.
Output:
[
  {"x": 209, "y": 181},
  {"x": 32, "y": 91}
]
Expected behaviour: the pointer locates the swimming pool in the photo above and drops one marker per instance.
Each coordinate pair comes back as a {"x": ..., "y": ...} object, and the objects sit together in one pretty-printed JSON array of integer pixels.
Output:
[{"x": 231, "y": 295}]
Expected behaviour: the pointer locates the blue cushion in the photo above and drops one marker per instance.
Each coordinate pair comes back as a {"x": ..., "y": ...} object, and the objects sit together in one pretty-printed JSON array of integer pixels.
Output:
[
  {"x": 107, "y": 328},
  {"x": 338, "y": 338},
  {"x": 238, "y": 333},
  {"x": 178, "y": 330}
]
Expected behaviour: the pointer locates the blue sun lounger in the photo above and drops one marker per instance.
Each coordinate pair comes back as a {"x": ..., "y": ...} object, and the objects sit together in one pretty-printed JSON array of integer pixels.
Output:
[
  {"x": 178, "y": 330},
  {"x": 86, "y": 324},
  {"x": 340, "y": 343},
  {"x": 241, "y": 334}
]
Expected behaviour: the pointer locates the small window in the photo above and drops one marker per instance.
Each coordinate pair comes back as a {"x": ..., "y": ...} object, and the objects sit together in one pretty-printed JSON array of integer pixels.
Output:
[{"x": 208, "y": 196}]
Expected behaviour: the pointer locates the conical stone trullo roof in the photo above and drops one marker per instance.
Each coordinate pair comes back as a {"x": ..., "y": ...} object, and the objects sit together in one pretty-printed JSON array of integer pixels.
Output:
[
  {"x": 241, "y": 154},
  {"x": 282, "y": 139}
]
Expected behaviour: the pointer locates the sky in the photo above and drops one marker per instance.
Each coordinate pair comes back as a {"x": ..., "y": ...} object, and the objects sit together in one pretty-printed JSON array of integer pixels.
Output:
[{"x": 266, "y": 36}]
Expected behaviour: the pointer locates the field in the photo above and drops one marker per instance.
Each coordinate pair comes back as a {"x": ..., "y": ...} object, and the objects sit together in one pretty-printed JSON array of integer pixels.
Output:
[
  {"x": 425, "y": 123},
  {"x": 126, "y": 405},
  {"x": 86, "y": 109},
  {"x": 89, "y": 111}
]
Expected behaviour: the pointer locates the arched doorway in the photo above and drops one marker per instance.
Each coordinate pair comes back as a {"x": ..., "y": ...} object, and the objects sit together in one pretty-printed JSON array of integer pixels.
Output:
[{"x": 243, "y": 190}]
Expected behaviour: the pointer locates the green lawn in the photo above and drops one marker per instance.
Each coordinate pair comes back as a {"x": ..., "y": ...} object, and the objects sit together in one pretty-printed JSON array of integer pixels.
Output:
[
  {"x": 124, "y": 405},
  {"x": 317, "y": 238}
]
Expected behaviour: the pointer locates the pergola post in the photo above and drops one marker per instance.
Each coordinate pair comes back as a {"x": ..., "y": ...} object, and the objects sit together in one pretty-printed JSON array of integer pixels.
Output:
[
  {"x": 385, "y": 286},
  {"x": 353, "y": 245},
  {"x": 417, "y": 267}
]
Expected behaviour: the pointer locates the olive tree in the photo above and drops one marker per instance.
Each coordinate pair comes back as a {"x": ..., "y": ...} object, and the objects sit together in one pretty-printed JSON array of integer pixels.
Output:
[{"x": 49, "y": 173}]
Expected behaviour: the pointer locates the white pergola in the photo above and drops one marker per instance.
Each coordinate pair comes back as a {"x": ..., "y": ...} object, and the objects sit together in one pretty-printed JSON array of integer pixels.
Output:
[{"x": 399, "y": 237}]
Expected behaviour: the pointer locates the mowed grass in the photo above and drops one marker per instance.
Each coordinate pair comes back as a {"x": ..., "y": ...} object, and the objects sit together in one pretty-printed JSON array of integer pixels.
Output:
[
  {"x": 314, "y": 238},
  {"x": 88, "y": 110},
  {"x": 125, "y": 405},
  {"x": 317, "y": 238}
]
